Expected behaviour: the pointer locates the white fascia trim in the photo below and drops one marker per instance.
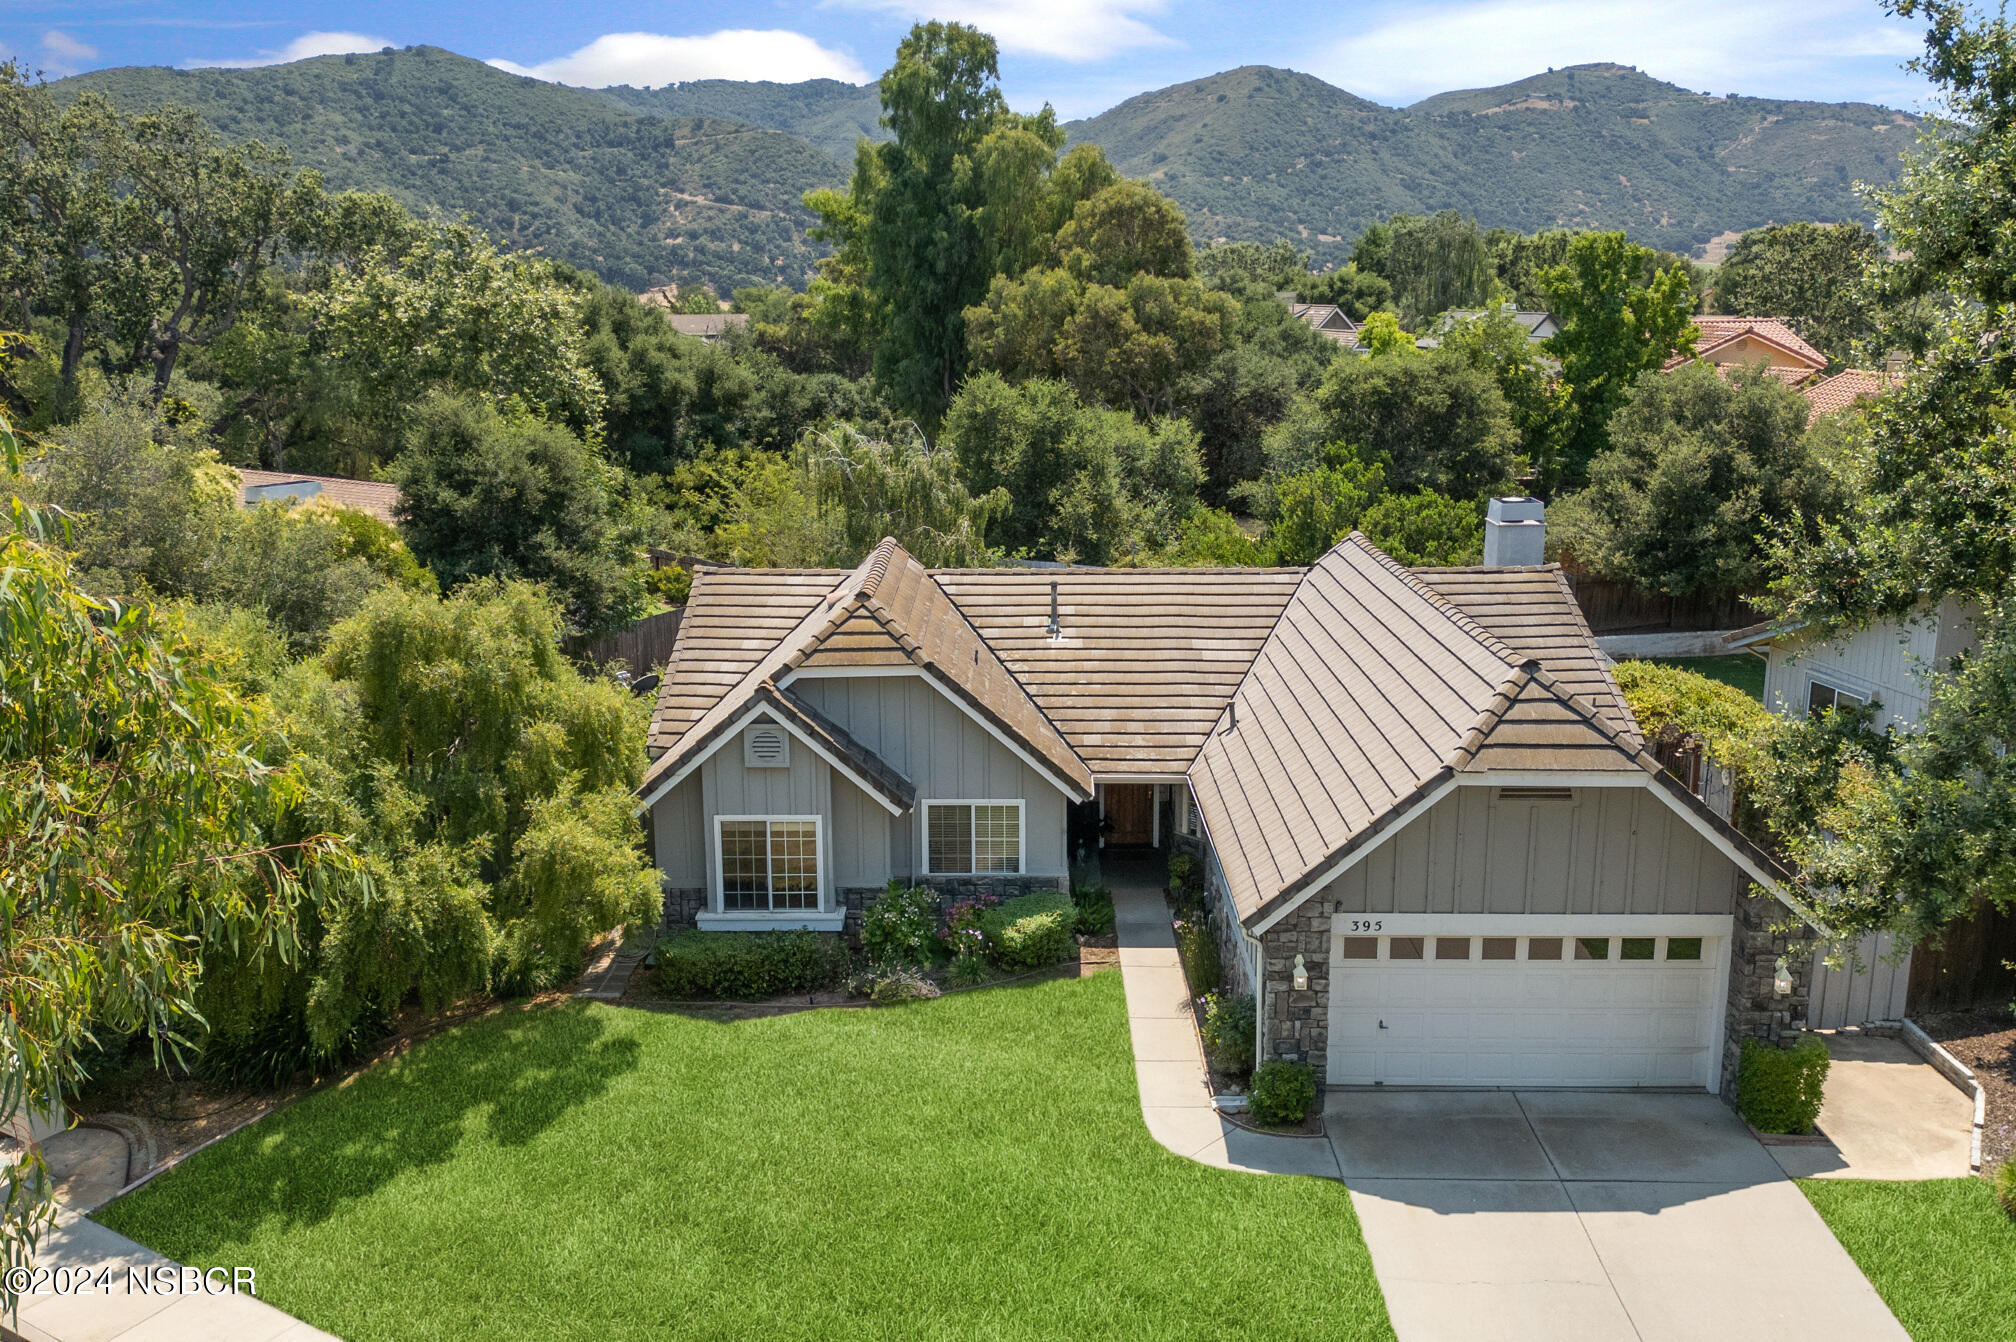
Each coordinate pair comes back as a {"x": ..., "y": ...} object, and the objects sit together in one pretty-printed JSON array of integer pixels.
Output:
[
  {"x": 1533, "y": 924},
  {"x": 733, "y": 732},
  {"x": 1543, "y": 778},
  {"x": 1103, "y": 779},
  {"x": 1358, "y": 855},
  {"x": 711, "y": 921},
  {"x": 842, "y": 673}
]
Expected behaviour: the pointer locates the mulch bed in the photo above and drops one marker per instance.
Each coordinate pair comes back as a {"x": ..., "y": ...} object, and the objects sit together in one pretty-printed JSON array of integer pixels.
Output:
[{"x": 1986, "y": 1042}]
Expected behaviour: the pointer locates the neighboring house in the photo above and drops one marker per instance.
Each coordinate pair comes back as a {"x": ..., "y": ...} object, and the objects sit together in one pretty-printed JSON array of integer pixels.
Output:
[
  {"x": 1435, "y": 845},
  {"x": 708, "y": 326},
  {"x": 371, "y": 496},
  {"x": 1539, "y": 325},
  {"x": 1887, "y": 664},
  {"x": 1328, "y": 320},
  {"x": 1847, "y": 388},
  {"x": 1728, "y": 341}
]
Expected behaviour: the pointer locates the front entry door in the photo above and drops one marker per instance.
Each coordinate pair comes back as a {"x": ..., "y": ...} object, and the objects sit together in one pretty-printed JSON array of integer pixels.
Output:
[{"x": 1130, "y": 813}]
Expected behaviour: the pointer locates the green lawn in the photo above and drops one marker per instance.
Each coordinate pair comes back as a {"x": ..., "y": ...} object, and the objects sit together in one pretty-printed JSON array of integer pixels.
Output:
[
  {"x": 974, "y": 1167},
  {"x": 1941, "y": 1253},
  {"x": 1744, "y": 671}
]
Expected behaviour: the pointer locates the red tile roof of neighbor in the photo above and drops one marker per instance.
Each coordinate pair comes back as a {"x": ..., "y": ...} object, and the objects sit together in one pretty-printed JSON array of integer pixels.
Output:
[
  {"x": 1844, "y": 389},
  {"x": 372, "y": 496},
  {"x": 1717, "y": 331},
  {"x": 1306, "y": 707}
]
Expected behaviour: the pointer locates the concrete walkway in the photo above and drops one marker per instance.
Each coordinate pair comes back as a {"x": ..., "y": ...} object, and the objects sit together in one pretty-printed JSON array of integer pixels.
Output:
[
  {"x": 104, "y": 1304},
  {"x": 1889, "y": 1114},
  {"x": 1168, "y": 1061}
]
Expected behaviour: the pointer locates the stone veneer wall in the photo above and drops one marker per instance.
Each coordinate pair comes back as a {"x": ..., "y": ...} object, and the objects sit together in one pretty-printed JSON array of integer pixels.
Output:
[
  {"x": 684, "y": 906},
  {"x": 1225, "y": 927},
  {"x": 1296, "y": 1025},
  {"x": 1756, "y": 1011}
]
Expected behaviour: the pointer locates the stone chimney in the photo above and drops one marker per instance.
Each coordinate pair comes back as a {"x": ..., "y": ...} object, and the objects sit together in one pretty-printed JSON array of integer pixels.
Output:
[{"x": 1515, "y": 533}]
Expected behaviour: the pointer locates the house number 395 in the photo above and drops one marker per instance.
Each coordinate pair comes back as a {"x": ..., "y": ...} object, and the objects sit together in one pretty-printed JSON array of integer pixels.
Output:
[{"x": 1367, "y": 924}]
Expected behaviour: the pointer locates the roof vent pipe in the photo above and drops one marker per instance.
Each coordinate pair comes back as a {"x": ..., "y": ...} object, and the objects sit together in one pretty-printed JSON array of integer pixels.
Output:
[
  {"x": 1515, "y": 533},
  {"x": 1056, "y": 628}
]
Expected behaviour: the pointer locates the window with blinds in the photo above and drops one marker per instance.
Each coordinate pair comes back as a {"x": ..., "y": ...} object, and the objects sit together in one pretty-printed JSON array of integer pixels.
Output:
[{"x": 972, "y": 838}]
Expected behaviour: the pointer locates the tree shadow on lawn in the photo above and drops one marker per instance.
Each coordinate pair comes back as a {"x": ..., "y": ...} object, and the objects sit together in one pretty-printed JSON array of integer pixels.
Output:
[{"x": 523, "y": 1068}]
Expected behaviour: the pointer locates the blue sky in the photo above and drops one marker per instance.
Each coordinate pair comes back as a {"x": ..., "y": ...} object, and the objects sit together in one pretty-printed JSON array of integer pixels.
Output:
[{"x": 1080, "y": 55}]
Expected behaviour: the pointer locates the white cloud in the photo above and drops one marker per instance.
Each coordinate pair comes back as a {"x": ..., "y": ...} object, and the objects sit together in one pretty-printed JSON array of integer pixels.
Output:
[
  {"x": 651, "y": 59},
  {"x": 300, "y": 49},
  {"x": 1815, "y": 49},
  {"x": 63, "y": 54},
  {"x": 1071, "y": 30}
]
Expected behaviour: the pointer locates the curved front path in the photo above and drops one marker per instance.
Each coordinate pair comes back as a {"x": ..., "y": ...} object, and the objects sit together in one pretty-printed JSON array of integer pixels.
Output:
[{"x": 1169, "y": 1062}]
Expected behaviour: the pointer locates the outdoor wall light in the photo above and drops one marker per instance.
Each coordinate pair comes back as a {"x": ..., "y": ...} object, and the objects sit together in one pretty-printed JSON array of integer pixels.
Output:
[
  {"x": 1781, "y": 979},
  {"x": 1302, "y": 976}
]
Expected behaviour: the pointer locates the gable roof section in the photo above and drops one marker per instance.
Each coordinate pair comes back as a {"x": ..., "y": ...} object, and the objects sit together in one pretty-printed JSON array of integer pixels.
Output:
[
  {"x": 1831, "y": 395},
  {"x": 376, "y": 497},
  {"x": 1717, "y": 331},
  {"x": 887, "y": 610},
  {"x": 1357, "y": 702},
  {"x": 734, "y": 618},
  {"x": 1533, "y": 725},
  {"x": 1533, "y": 611},
  {"x": 1147, "y": 658}
]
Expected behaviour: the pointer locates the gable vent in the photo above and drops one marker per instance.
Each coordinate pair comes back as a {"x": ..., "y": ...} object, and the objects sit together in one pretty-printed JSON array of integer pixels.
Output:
[
  {"x": 766, "y": 746},
  {"x": 1536, "y": 794}
]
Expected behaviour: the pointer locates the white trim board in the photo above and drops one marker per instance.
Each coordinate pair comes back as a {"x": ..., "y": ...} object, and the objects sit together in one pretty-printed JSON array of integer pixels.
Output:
[
  {"x": 733, "y": 732},
  {"x": 1703, "y": 925},
  {"x": 822, "y": 860}
]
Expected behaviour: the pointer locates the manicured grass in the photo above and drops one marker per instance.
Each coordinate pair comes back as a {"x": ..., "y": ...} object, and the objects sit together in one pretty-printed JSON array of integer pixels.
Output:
[
  {"x": 974, "y": 1167},
  {"x": 1743, "y": 670},
  {"x": 1941, "y": 1253}
]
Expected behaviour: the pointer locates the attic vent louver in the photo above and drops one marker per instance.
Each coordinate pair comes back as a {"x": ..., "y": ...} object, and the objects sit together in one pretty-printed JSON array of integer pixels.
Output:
[
  {"x": 1536, "y": 794},
  {"x": 765, "y": 746}
]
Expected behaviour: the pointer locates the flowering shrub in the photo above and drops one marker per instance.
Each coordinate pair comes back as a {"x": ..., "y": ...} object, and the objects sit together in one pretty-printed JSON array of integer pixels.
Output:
[
  {"x": 965, "y": 931},
  {"x": 900, "y": 927}
]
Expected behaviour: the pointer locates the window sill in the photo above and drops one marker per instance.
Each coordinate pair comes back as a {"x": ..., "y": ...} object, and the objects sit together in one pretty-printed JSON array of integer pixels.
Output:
[{"x": 751, "y": 921}]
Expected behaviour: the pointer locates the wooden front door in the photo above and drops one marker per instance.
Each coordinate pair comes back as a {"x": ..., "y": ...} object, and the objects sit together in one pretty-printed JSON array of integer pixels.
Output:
[{"x": 1130, "y": 813}]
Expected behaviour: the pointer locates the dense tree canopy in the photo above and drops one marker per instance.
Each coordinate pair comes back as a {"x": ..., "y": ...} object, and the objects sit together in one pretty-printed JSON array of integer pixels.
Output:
[{"x": 1811, "y": 274}]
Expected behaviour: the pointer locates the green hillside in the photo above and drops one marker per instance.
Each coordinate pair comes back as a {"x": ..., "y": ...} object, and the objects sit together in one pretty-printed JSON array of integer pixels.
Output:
[
  {"x": 641, "y": 199},
  {"x": 824, "y": 112},
  {"x": 1258, "y": 153}
]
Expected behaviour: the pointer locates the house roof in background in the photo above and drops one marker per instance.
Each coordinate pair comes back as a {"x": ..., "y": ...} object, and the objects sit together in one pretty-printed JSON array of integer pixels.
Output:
[
  {"x": 1720, "y": 333},
  {"x": 1831, "y": 395},
  {"x": 372, "y": 496},
  {"x": 706, "y": 325}
]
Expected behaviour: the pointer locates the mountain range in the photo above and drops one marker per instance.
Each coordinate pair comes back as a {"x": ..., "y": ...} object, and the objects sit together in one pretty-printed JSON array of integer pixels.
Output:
[{"x": 703, "y": 180}]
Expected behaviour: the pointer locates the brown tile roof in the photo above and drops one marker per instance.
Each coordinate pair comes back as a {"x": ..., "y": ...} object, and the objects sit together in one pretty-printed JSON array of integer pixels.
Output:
[
  {"x": 1533, "y": 611},
  {"x": 734, "y": 617},
  {"x": 1831, "y": 395},
  {"x": 706, "y": 325},
  {"x": 1534, "y": 724},
  {"x": 371, "y": 496},
  {"x": 886, "y": 611},
  {"x": 1147, "y": 660}
]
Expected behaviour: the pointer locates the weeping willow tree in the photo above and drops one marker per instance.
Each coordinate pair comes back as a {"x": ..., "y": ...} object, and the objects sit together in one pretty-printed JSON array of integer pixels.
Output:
[
  {"x": 870, "y": 488},
  {"x": 138, "y": 839},
  {"x": 492, "y": 789}
]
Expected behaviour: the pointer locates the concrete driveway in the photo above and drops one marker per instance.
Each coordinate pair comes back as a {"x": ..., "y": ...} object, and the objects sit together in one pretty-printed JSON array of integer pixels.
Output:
[{"x": 1571, "y": 1215}]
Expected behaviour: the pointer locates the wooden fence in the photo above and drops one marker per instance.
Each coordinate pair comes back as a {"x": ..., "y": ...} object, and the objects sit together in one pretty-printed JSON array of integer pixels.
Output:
[
  {"x": 1969, "y": 967},
  {"x": 1614, "y": 607},
  {"x": 643, "y": 647}
]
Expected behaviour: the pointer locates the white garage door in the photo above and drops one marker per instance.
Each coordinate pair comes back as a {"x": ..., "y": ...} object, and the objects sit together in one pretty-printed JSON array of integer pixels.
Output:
[{"x": 1604, "y": 1007}]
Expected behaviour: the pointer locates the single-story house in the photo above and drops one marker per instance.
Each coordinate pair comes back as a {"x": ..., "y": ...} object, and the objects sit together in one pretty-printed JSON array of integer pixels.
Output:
[
  {"x": 1435, "y": 846},
  {"x": 372, "y": 496},
  {"x": 1327, "y": 320},
  {"x": 1728, "y": 341}
]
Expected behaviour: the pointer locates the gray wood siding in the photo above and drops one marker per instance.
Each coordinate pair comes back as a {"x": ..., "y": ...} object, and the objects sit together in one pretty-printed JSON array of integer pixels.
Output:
[
  {"x": 1611, "y": 850},
  {"x": 945, "y": 754},
  {"x": 679, "y": 836},
  {"x": 728, "y": 787}
]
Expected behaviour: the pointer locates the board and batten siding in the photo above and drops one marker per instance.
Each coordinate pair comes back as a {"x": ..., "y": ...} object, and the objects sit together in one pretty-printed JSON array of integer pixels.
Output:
[
  {"x": 945, "y": 754},
  {"x": 1886, "y": 660},
  {"x": 1870, "y": 985},
  {"x": 1611, "y": 850},
  {"x": 683, "y": 819}
]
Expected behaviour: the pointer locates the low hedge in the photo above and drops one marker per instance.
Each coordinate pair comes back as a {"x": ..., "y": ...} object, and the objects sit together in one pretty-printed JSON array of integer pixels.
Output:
[
  {"x": 1779, "y": 1089},
  {"x": 1282, "y": 1093},
  {"x": 748, "y": 966},
  {"x": 1031, "y": 931}
]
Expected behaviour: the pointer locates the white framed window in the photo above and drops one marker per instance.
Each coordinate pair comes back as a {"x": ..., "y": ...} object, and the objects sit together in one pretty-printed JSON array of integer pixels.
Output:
[
  {"x": 1820, "y": 696},
  {"x": 972, "y": 837},
  {"x": 768, "y": 863}
]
